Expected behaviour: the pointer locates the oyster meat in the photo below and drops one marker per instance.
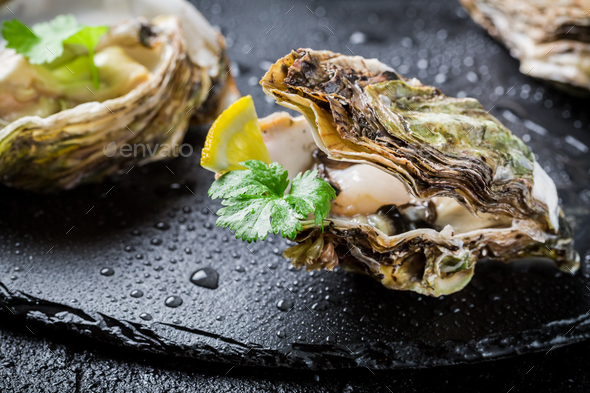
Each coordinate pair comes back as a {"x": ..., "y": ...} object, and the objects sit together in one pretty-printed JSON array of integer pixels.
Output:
[
  {"x": 57, "y": 130},
  {"x": 550, "y": 38},
  {"x": 427, "y": 184}
]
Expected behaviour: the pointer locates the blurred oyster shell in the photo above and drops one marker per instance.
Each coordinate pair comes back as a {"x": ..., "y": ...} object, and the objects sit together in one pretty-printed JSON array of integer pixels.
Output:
[
  {"x": 551, "y": 38},
  {"x": 478, "y": 191},
  {"x": 183, "y": 73}
]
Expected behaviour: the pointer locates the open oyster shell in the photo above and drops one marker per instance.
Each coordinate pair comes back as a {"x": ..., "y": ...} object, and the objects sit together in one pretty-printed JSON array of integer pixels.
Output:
[
  {"x": 476, "y": 188},
  {"x": 550, "y": 38},
  {"x": 155, "y": 75}
]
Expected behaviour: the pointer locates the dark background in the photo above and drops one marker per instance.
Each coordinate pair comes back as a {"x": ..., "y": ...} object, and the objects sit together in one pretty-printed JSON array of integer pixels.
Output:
[{"x": 413, "y": 37}]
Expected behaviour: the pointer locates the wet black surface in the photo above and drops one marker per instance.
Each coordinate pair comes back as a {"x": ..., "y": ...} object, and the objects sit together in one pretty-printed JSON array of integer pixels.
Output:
[
  {"x": 71, "y": 262},
  {"x": 29, "y": 363}
]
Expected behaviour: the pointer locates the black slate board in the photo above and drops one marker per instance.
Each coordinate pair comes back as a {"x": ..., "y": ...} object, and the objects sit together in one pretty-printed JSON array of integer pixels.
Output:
[
  {"x": 54, "y": 247},
  {"x": 59, "y": 363}
]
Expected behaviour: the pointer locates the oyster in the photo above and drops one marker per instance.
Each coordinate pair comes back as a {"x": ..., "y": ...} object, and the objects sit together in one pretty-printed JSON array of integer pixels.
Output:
[
  {"x": 427, "y": 184},
  {"x": 57, "y": 130},
  {"x": 550, "y": 38}
]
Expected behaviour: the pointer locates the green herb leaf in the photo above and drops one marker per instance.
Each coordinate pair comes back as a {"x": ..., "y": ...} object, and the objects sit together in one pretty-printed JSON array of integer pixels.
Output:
[
  {"x": 256, "y": 204},
  {"x": 45, "y": 41},
  {"x": 308, "y": 193},
  {"x": 42, "y": 44},
  {"x": 89, "y": 37},
  {"x": 19, "y": 37}
]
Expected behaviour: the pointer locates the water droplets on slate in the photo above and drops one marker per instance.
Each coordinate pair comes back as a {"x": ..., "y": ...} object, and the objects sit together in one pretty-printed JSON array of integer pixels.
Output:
[
  {"x": 285, "y": 304},
  {"x": 107, "y": 271},
  {"x": 206, "y": 277},
  {"x": 136, "y": 293},
  {"x": 173, "y": 301},
  {"x": 145, "y": 316}
]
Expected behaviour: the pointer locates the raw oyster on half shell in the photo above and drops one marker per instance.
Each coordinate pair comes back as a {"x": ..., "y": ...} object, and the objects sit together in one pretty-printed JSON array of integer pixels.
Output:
[
  {"x": 427, "y": 184},
  {"x": 551, "y": 38},
  {"x": 57, "y": 130}
]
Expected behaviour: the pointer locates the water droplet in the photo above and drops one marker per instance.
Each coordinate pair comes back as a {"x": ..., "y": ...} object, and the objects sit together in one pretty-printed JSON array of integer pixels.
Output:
[
  {"x": 358, "y": 38},
  {"x": 136, "y": 293},
  {"x": 285, "y": 304},
  {"x": 280, "y": 334},
  {"x": 183, "y": 187},
  {"x": 162, "y": 226},
  {"x": 107, "y": 271},
  {"x": 156, "y": 241},
  {"x": 145, "y": 316},
  {"x": 206, "y": 277},
  {"x": 240, "y": 269},
  {"x": 173, "y": 301}
]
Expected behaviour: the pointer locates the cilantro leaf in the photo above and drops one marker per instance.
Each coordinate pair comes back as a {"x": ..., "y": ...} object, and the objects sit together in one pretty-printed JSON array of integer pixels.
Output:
[
  {"x": 89, "y": 37},
  {"x": 258, "y": 180},
  {"x": 308, "y": 193},
  {"x": 42, "y": 44},
  {"x": 45, "y": 41},
  {"x": 256, "y": 204},
  {"x": 19, "y": 37}
]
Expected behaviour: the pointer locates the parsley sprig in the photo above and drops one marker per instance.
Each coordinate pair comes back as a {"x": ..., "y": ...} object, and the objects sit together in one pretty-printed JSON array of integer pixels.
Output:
[
  {"x": 44, "y": 42},
  {"x": 256, "y": 204}
]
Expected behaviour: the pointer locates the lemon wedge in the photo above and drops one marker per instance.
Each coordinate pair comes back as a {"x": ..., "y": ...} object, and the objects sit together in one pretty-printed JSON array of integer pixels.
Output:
[{"x": 234, "y": 137}]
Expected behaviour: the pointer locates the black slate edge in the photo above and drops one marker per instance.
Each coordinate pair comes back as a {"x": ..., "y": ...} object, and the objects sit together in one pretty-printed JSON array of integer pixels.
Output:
[{"x": 212, "y": 347}]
